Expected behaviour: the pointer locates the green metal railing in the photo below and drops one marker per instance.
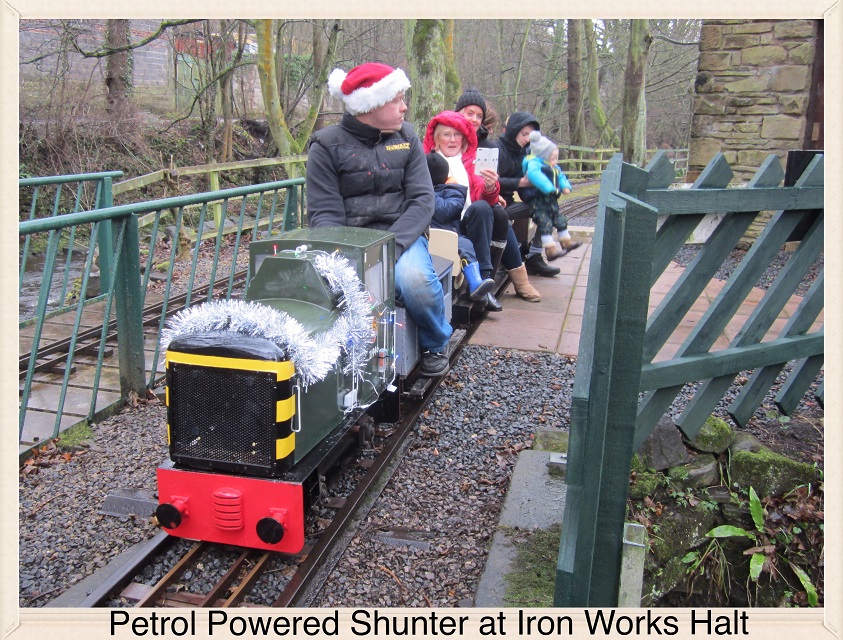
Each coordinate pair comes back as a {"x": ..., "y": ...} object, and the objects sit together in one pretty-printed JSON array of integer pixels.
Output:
[
  {"x": 58, "y": 195},
  {"x": 154, "y": 258},
  {"x": 186, "y": 255}
]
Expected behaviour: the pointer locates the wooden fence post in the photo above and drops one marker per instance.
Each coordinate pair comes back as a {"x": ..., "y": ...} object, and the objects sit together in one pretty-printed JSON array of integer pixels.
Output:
[{"x": 588, "y": 570}]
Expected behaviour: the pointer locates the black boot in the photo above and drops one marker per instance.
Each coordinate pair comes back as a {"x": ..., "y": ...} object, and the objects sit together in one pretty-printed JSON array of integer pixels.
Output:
[
  {"x": 492, "y": 303},
  {"x": 525, "y": 249},
  {"x": 536, "y": 266},
  {"x": 496, "y": 253}
]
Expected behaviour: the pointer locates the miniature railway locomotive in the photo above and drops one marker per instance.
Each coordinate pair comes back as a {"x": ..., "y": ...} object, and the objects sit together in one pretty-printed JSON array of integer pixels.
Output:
[{"x": 259, "y": 391}]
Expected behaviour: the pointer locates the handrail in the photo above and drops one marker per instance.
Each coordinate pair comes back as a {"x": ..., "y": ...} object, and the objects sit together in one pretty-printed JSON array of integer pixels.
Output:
[
  {"x": 79, "y": 177},
  {"x": 199, "y": 169},
  {"x": 117, "y": 211}
]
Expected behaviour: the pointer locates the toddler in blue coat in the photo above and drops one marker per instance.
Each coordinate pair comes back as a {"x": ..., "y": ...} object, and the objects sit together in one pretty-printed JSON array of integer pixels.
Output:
[{"x": 541, "y": 168}]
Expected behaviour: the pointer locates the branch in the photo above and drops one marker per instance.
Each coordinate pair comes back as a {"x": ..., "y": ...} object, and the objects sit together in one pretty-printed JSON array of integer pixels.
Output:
[
  {"x": 672, "y": 41},
  {"x": 102, "y": 52},
  {"x": 202, "y": 90},
  {"x": 41, "y": 57}
]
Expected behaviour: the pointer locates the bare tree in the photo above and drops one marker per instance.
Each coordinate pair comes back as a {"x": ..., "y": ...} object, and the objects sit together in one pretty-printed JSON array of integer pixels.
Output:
[
  {"x": 605, "y": 132},
  {"x": 427, "y": 70},
  {"x": 576, "y": 117},
  {"x": 118, "y": 67},
  {"x": 278, "y": 120},
  {"x": 452, "y": 78},
  {"x": 634, "y": 130}
]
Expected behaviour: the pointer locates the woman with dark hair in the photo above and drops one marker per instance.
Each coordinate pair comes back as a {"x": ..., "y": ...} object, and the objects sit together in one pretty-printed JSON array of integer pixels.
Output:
[
  {"x": 512, "y": 149},
  {"x": 453, "y": 136}
]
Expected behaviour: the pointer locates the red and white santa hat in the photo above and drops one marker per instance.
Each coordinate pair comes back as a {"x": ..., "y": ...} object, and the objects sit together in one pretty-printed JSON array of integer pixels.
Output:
[{"x": 367, "y": 86}]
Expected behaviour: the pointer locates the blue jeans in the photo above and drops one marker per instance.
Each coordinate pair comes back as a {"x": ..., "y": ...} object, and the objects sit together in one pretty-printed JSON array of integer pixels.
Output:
[
  {"x": 512, "y": 252},
  {"x": 476, "y": 225},
  {"x": 419, "y": 290}
]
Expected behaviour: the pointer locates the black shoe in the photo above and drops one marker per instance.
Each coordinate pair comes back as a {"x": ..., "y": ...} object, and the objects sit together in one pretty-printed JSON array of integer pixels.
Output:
[
  {"x": 492, "y": 303},
  {"x": 536, "y": 266},
  {"x": 433, "y": 364}
]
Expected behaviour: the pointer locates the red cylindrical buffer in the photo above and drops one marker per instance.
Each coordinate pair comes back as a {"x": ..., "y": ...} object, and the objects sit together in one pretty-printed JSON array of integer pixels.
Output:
[
  {"x": 170, "y": 514},
  {"x": 271, "y": 528},
  {"x": 228, "y": 508}
]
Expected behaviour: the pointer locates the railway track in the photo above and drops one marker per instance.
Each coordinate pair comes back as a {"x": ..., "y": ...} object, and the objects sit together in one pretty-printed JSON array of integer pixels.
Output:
[
  {"x": 54, "y": 354},
  {"x": 578, "y": 207}
]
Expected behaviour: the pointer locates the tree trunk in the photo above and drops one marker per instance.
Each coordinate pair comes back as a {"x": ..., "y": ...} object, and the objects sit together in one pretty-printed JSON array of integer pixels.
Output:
[
  {"x": 118, "y": 67},
  {"x": 269, "y": 87},
  {"x": 598, "y": 116},
  {"x": 226, "y": 83},
  {"x": 506, "y": 105},
  {"x": 548, "y": 109},
  {"x": 576, "y": 117},
  {"x": 429, "y": 82},
  {"x": 519, "y": 70},
  {"x": 318, "y": 65},
  {"x": 453, "y": 89},
  {"x": 320, "y": 84},
  {"x": 634, "y": 131}
]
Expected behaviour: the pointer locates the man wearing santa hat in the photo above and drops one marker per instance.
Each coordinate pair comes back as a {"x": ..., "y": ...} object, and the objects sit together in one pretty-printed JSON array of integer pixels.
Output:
[{"x": 370, "y": 171}]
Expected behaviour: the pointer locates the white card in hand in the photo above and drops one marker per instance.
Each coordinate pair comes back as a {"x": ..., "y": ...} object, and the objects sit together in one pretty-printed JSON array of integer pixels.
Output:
[{"x": 486, "y": 159}]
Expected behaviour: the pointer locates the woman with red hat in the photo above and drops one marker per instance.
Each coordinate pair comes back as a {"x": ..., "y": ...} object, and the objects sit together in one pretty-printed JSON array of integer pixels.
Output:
[{"x": 453, "y": 136}]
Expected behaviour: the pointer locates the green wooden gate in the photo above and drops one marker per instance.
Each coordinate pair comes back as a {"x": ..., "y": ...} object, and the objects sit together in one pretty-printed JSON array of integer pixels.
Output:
[{"x": 621, "y": 389}]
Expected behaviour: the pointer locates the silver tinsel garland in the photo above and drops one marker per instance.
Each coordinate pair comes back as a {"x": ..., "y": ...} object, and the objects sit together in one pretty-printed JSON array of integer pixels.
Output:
[{"x": 346, "y": 343}]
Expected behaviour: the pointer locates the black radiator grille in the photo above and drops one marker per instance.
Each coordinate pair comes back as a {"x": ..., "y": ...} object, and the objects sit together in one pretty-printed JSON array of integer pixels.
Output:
[{"x": 222, "y": 415}]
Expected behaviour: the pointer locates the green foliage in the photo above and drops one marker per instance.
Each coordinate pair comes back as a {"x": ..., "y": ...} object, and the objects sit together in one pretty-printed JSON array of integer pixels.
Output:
[
  {"x": 297, "y": 66},
  {"x": 813, "y": 599},
  {"x": 74, "y": 437},
  {"x": 772, "y": 546},
  {"x": 782, "y": 419}
]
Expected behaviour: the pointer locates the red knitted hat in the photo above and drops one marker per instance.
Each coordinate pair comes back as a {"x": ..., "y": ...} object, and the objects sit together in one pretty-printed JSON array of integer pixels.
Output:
[{"x": 367, "y": 86}]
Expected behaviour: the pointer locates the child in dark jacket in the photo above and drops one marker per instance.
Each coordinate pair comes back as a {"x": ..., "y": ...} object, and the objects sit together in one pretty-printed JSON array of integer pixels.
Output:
[
  {"x": 540, "y": 166},
  {"x": 447, "y": 212}
]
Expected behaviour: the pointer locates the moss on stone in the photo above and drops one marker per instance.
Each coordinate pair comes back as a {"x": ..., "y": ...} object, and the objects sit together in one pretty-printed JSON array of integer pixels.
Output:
[
  {"x": 679, "y": 473},
  {"x": 663, "y": 567},
  {"x": 645, "y": 484},
  {"x": 770, "y": 473},
  {"x": 551, "y": 440},
  {"x": 533, "y": 580},
  {"x": 73, "y": 438},
  {"x": 715, "y": 436}
]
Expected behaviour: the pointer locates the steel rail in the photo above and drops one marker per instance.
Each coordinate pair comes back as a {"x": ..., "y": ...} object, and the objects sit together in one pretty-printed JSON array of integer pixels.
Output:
[{"x": 151, "y": 315}]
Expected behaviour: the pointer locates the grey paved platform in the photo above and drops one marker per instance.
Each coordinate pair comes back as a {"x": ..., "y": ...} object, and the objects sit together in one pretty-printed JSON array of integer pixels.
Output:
[{"x": 535, "y": 500}]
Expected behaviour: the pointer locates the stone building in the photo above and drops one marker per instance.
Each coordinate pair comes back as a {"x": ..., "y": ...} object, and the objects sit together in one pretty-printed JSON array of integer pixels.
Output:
[{"x": 758, "y": 91}]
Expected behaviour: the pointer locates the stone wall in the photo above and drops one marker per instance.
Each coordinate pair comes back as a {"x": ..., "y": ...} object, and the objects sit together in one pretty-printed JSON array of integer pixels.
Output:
[
  {"x": 151, "y": 63},
  {"x": 752, "y": 91}
]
